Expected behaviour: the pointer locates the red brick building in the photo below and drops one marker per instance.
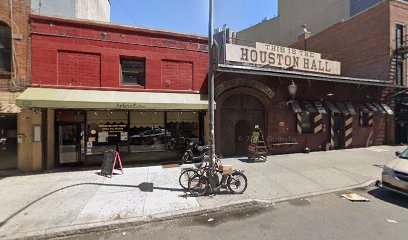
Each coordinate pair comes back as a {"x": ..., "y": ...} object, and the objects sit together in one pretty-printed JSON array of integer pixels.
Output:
[
  {"x": 372, "y": 44},
  {"x": 15, "y": 74},
  {"x": 329, "y": 110},
  {"x": 97, "y": 86},
  {"x": 372, "y": 49}
]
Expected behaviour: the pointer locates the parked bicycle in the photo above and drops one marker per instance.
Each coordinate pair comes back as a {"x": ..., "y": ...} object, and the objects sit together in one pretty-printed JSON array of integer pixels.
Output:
[
  {"x": 188, "y": 173},
  {"x": 205, "y": 179}
]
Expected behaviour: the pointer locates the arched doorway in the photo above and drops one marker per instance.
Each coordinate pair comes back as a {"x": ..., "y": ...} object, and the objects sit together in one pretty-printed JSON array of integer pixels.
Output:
[{"x": 239, "y": 115}]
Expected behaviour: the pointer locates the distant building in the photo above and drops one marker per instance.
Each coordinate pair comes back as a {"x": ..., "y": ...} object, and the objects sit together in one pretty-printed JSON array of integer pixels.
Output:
[
  {"x": 15, "y": 75},
  {"x": 97, "y": 10},
  {"x": 315, "y": 15}
]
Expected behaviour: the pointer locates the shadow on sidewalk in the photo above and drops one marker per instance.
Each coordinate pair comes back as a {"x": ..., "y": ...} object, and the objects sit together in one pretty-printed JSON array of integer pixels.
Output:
[
  {"x": 144, "y": 187},
  {"x": 389, "y": 197}
]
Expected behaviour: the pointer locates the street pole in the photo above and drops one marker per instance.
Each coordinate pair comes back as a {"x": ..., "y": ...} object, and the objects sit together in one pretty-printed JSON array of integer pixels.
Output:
[{"x": 211, "y": 84}]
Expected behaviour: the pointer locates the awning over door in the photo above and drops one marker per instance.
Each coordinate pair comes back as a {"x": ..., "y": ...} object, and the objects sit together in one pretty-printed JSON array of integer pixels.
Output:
[
  {"x": 332, "y": 107},
  {"x": 342, "y": 108},
  {"x": 97, "y": 99},
  {"x": 351, "y": 108},
  {"x": 296, "y": 107},
  {"x": 320, "y": 107},
  {"x": 308, "y": 107},
  {"x": 387, "y": 109}
]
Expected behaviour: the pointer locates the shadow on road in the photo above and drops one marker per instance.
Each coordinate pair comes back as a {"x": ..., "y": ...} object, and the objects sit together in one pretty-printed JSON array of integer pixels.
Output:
[{"x": 390, "y": 197}]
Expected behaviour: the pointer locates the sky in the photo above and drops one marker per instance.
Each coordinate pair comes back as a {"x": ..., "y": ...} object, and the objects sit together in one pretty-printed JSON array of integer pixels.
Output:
[{"x": 191, "y": 16}]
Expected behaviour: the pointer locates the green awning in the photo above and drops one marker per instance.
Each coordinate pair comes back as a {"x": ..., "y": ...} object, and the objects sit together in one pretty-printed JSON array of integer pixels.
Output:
[{"x": 98, "y": 99}]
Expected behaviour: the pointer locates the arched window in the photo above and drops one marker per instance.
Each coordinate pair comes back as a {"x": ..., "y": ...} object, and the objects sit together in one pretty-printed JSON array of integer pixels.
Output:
[{"x": 5, "y": 47}]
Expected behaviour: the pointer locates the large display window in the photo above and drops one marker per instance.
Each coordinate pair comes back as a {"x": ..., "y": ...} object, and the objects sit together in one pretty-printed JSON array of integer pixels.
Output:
[
  {"x": 183, "y": 124},
  {"x": 106, "y": 130},
  {"x": 147, "y": 131}
]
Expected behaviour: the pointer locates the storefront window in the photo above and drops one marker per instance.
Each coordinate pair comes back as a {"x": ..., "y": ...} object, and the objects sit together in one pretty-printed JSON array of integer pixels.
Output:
[
  {"x": 183, "y": 124},
  {"x": 106, "y": 130},
  {"x": 147, "y": 132}
]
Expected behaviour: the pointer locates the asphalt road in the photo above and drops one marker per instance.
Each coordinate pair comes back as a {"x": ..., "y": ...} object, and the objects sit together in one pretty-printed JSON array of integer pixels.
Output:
[{"x": 321, "y": 217}]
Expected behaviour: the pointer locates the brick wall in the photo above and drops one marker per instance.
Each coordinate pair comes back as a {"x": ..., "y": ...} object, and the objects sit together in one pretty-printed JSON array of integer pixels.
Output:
[
  {"x": 398, "y": 14},
  {"x": 174, "y": 62},
  {"x": 21, "y": 41},
  {"x": 76, "y": 68},
  {"x": 280, "y": 121},
  {"x": 177, "y": 75},
  {"x": 361, "y": 43}
]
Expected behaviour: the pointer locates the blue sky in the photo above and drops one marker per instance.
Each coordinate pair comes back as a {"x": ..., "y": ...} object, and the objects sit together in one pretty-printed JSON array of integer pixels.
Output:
[{"x": 191, "y": 16}]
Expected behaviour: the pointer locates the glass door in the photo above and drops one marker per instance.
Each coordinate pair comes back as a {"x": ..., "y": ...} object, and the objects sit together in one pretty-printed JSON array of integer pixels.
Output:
[{"x": 69, "y": 143}]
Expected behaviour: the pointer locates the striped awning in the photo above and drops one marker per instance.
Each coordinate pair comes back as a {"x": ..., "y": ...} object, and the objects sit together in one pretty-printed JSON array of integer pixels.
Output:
[
  {"x": 351, "y": 108},
  {"x": 309, "y": 107},
  {"x": 296, "y": 107},
  {"x": 339, "y": 107},
  {"x": 387, "y": 109},
  {"x": 320, "y": 107},
  {"x": 342, "y": 107},
  {"x": 332, "y": 107}
]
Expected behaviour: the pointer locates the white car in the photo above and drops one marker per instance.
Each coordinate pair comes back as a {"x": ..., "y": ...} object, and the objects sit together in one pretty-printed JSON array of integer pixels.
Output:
[{"x": 395, "y": 174}]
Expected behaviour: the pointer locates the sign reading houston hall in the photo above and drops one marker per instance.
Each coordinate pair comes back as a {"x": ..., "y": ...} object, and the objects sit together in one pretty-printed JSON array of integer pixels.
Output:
[{"x": 276, "y": 56}]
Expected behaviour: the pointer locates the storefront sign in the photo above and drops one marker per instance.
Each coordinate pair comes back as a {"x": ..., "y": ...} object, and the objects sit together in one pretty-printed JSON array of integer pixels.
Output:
[
  {"x": 110, "y": 128},
  {"x": 264, "y": 54},
  {"x": 130, "y": 106},
  {"x": 243, "y": 83}
]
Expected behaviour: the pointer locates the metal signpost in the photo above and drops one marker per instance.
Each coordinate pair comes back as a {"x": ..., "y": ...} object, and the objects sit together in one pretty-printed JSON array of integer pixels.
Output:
[{"x": 211, "y": 84}]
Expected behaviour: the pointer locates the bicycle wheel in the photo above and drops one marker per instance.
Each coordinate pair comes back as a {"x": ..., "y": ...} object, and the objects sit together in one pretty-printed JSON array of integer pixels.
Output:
[
  {"x": 237, "y": 183},
  {"x": 198, "y": 185},
  {"x": 185, "y": 176}
]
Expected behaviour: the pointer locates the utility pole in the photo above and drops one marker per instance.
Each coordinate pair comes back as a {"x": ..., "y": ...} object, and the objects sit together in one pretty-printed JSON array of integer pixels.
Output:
[{"x": 211, "y": 83}]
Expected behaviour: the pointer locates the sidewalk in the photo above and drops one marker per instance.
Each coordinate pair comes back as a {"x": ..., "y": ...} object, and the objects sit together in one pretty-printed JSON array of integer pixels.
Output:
[{"x": 44, "y": 204}]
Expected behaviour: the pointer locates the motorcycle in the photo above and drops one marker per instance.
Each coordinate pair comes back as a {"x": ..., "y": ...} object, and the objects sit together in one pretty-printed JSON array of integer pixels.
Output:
[{"x": 194, "y": 152}]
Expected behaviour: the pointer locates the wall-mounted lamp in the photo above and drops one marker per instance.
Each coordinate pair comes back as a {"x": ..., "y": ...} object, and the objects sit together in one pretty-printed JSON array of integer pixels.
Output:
[{"x": 292, "y": 89}]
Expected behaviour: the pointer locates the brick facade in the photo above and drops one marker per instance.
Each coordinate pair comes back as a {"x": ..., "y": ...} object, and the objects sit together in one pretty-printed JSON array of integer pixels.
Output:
[
  {"x": 361, "y": 43},
  {"x": 17, "y": 80},
  {"x": 77, "y": 54},
  {"x": 278, "y": 121}
]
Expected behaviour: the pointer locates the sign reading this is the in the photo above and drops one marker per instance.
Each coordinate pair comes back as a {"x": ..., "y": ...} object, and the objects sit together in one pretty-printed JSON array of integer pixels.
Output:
[{"x": 277, "y": 56}]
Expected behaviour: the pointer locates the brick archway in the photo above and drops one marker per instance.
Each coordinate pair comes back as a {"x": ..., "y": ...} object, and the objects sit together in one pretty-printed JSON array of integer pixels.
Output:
[{"x": 235, "y": 106}]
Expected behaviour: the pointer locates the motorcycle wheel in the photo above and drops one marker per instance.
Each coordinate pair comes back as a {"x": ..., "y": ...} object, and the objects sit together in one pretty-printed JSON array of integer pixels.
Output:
[
  {"x": 185, "y": 158},
  {"x": 185, "y": 177},
  {"x": 198, "y": 185},
  {"x": 237, "y": 183}
]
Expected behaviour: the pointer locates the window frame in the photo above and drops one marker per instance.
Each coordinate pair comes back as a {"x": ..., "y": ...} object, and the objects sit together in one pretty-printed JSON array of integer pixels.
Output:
[
  {"x": 122, "y": 82},
  {"x": 399, "y": 35},
  {"x": 7, "y": 50}
]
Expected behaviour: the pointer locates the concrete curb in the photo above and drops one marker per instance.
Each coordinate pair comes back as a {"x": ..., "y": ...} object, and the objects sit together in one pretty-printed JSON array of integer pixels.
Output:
[{"x": 134, "y": 222}]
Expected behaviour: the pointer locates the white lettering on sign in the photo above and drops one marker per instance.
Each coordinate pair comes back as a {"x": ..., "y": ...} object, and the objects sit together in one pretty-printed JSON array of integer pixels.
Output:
[{"x": 276, "y": 56}]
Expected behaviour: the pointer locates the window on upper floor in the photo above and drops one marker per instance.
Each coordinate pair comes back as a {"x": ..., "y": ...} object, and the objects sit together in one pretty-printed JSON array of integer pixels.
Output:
[
  {"x": 133, "y": 72},
  {"x": 399, "y": 35},
  {"x": 5, "y": 47},
  {"x": 399, "y": 72}
]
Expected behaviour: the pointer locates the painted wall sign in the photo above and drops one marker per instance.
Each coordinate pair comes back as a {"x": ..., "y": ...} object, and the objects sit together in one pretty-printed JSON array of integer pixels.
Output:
[
  {"x": 243, "y": 83},
  {"x": 264, "y": 54}
]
